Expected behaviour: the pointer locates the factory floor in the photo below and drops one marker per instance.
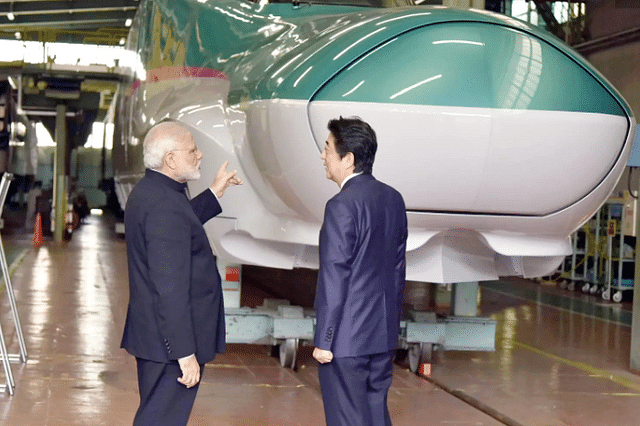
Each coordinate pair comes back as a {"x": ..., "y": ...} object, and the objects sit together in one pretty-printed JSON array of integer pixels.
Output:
[{"x": 561, "y": 358}]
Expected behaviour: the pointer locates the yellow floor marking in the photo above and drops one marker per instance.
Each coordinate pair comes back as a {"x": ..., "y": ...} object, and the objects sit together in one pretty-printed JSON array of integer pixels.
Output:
[
  {"x": 593, "y": 371},
  {"x": 226, "y": 366}
]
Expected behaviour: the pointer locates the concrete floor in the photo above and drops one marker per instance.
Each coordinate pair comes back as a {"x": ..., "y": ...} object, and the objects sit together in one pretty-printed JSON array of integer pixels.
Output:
[{"x": 555, "y": 363}]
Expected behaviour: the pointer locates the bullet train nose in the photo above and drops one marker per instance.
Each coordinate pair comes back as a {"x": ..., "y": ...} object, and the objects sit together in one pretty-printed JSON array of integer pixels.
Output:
[{"x": 475, "y": 117}]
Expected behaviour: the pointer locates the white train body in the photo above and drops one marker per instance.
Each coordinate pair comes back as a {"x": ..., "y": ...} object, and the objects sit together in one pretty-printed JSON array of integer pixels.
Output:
[{"x": 498, "y": 157}]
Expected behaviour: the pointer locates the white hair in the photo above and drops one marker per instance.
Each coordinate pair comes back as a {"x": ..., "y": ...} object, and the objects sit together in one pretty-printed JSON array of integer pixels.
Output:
[{"x": 159, "y": 140}]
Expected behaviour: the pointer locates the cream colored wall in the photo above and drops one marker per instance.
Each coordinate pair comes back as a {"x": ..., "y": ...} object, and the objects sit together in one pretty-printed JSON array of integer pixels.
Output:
[
  {"x": 605, "y": 18},
  {"x": 464, "y": 4}
]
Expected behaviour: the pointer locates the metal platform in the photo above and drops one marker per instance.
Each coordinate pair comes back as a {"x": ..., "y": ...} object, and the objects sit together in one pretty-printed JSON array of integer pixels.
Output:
[{"x": 286, "y": 327}]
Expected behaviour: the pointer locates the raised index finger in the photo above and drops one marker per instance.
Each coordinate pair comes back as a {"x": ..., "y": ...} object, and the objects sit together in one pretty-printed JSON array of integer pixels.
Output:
[{"x": 223, "y": 168}]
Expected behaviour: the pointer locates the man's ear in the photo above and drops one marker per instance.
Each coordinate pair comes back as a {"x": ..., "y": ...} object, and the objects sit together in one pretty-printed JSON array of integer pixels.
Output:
[
  {"x": 349, "y": 160},
  {"x": 169, "y": 161}
]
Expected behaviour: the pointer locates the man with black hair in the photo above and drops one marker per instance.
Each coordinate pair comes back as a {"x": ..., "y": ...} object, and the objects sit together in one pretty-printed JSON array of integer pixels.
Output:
[{"x": 360, "y": 281}]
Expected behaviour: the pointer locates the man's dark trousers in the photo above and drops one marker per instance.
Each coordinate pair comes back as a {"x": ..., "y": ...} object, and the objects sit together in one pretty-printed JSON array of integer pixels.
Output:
[
  {"x": 354, "y": 389},
  {"x": 163, "y": 400},
  {"x": 175, "y": 304}
]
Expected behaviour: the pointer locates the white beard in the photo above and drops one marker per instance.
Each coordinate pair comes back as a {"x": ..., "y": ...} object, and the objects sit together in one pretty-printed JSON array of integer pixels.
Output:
[{"x": 193, "y": 173}]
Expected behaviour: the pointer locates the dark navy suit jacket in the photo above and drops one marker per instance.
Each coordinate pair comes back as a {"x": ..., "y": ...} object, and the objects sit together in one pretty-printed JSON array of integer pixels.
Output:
[
  {"x": 175, "y": 301},
  {"x": 362, "y": 269}
]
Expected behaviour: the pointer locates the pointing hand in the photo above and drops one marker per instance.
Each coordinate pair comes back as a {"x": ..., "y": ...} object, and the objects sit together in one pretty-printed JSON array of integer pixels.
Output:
[{"x": 224, "y": 179}]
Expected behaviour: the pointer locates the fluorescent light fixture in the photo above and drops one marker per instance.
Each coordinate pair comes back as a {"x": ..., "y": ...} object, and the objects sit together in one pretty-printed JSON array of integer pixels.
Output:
[
  {"x": 10, "y": 15},
  {"x": 122, "y": 41},
  {"x": 128, "y": 22}
]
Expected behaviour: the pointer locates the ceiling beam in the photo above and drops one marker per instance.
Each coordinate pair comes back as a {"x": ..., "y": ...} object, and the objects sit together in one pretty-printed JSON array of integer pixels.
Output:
[
  {"x": 76, "y": 20},
  {"x": 77, "y": 14},
  {"x": 56, "y": 6}
]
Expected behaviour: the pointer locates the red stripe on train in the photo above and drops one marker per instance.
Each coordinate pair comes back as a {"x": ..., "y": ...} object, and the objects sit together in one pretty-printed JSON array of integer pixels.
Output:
[
  {"x": 175, "y": 73},
  {"x": 171, "y": 73}
]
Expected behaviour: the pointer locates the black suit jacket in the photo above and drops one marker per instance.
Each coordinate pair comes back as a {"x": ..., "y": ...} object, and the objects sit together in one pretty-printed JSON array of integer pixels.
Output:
[
  {"x": 175, "y": 294},
  {"x": 362, "y": 269}
]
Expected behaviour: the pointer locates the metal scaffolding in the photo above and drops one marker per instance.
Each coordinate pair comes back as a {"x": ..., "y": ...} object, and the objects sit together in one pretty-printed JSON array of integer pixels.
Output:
[{"x": 6, "y": 357}]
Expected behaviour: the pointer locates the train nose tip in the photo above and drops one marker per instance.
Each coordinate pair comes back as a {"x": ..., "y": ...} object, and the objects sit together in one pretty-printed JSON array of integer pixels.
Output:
[{"x": 481, "y": 118}]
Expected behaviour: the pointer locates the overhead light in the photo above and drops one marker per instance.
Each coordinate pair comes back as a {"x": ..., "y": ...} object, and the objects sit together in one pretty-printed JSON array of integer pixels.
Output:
[
  {"x": 18, "y": 35},
  {"x": 122, "y": 41},
  {"x": 128, "y": 22},
  {"x": 11, "y": 16}
]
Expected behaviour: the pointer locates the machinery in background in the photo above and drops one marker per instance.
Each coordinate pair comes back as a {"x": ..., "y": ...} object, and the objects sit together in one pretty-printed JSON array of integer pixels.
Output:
[{"x": 603, "y": 257}]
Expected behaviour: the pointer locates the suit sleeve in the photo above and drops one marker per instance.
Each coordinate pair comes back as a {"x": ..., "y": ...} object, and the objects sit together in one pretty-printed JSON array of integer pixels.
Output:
[
  {"x": 206, "y": 205},
  {"x": 337, "y": 241},
  {"x": 401, "y": 260},
  {"x": 168, "y": 240}
]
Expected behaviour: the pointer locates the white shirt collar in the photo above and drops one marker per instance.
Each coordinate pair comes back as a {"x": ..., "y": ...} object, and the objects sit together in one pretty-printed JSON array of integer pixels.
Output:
[{"x": 352, "y": 175}]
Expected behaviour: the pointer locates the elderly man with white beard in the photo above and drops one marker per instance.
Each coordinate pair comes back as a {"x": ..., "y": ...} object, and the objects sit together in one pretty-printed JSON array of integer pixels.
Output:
[{"x": 175, "y": 318}]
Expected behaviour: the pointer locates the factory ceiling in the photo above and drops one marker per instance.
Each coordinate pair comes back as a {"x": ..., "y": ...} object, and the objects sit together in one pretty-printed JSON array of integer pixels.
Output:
[
  {"x": 86, "y": 94},
  {"x": 106, "y": 22},
  {"x": 71, "y": 21}
]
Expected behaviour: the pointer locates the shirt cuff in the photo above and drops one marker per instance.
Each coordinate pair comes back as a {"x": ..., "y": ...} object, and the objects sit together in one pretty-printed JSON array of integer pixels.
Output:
[
  {"x": 186, "y": 357},
  {"x": 214, "y": 193}
]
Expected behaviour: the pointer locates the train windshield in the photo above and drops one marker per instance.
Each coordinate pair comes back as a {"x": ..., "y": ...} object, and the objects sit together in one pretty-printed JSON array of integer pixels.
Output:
[{"x": 361, "y": 3}]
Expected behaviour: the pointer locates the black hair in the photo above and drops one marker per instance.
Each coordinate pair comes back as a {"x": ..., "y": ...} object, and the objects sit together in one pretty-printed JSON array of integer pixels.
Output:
[{"x": 355, "y": 136}]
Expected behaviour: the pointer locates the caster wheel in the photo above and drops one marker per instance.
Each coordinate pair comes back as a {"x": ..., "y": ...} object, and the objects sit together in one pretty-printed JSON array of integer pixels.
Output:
[
  {"x": 606, "y": 295},
  {"x": 593, "y": 289},
  {"x": 585, "y": 288},
  {"x": 571, "y": 286},
  {"x": 617, "y": 296},
  {"x": 288, "y": 352},
  {"x": 419, "y": 353}
]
